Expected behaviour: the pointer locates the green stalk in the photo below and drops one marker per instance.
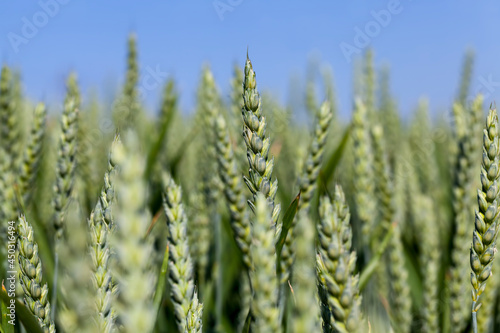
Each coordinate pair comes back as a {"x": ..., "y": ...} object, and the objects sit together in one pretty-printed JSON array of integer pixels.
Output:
[{"x": 486, "y": 223}]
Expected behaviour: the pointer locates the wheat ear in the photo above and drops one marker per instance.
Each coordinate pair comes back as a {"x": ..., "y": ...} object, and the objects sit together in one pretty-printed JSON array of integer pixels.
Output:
[
  {"x": 100, "y": 229},
  {"x": 263, "y": 275},
  {"x": 30, "y": 276},
  {"x": 486, "y": 224},
  {"x": 308, "y": 183},
  {"x": 336, "y": 264},
  {"x": 132, "y": 269},
  {"x": 66, "y": 163},
  {"x": 180, "y": 266},
  {"x": 32, "y": 154},
  {"x": 363, "y": 172},
  {"x": 9, "y": 127},
  {"x": 254, "y": 132},
  {"x": 233, "y": 190}
]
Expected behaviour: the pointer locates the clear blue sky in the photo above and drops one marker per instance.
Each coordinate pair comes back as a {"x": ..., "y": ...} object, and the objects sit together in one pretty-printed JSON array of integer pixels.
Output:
[{"x": 423, "y": 41}]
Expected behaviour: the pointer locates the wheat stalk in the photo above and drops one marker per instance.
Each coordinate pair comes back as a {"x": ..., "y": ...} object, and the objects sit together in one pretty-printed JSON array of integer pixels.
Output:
[
  {"x": 254, "y": 132},
  {"x": 306, "y": 314},
  {"x": 363, "y": 172},
  {"x": 100, "y": 228},
  {"x": 462, "y": 204},
  {"x": 336, "y": 264},
  {"x": 263, "y": 276},
  {"x": 9, "y": 127},
  {"x": 66, "y": 160},
  {"x": 132, "y": 269},
  {"x": 180, "y": 268},
  {"x": 430, "y": 261},
  {"x": 126, "y": 110},
  {"x": 310, "y": 173},
  {"x": 32, "y": 154},
  {"x": 30, "y": 276},
  {"x": 233, "y": 190},
  {"x": 486, "y": 222}
]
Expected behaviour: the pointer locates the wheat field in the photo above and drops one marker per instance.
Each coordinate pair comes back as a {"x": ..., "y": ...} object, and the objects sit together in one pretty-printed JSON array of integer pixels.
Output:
[{"x": 242, "y": 218}]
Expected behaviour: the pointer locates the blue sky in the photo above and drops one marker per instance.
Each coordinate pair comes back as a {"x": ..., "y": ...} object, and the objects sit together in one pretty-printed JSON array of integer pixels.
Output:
[{"x": 422, "y": 41}]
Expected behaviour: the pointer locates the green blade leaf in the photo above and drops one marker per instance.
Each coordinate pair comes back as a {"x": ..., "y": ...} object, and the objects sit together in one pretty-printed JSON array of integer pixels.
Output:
[
  {"x": 328, "y": 169},
  {"x": 372, "y": 265},
  {"x": 287, "y": 223},
  {"x": 25, "y": 316},
  {"x": 156, "y": 148},
  {"x": 162, "y": 280}
]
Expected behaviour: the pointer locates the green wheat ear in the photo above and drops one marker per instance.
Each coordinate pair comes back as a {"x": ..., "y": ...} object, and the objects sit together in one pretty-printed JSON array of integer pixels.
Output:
[
  {"x": 32, "y": 155},
  {"x": 338, "y": 285},
  {"x": 486, "y": 224},
  {"x": 263, "y": 276},
  {"x": 9, "y": 126},
  {"x": 307, "y": 183},
  {"x": 30, "y": 276},
  {"x": 132, "y": 270},
  {"x": 233, "y": 190},
  {"x": 100, "y": 229},
  {"x": 180, "y": 266},
  {"x": 254, "y": 133}
]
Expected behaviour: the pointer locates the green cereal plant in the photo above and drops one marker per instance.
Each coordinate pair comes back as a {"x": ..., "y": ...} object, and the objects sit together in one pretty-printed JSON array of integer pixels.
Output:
[
  {"x": 385, "y": 198},
  {"x": 180, "y": 267},
  {"x": 32, "y": 155},
  {"x": 423, "y": 149},
  {"x": 312, "y": 164},
  {"x": 465, "y": 79},
  {"x": 199, "y": 232},
  {"x": 236, "y": 100},
  {"x": 66, "y": 160},
  {"x": 383, "y": 183},
  {"x": 326, "y": 313},
  {"x": 100, "y": 228},
  {"x": 9, "y": 127},
  {"x": 400, "y": 298},
  {"x": 233, "y": 190},
  {"x": 75, "y": 299},
  {"x": 208, "y": 103},
  {"x": 311, "y": 98},
  {"x": 486, "y": 317},
  {"x": 263, "y": 276},
  {"x": 254, "y": 132},
  {"x": 307, "y": 182},
  {"x": 132, "y": 269},
  {"x": 8, "y": 208},
  {"x": 327, "y": 76},
  {"x": 90, "y": 153},
  {"x": 363, "y": 172},
  {"x": 126, "y": 110},
  {"x": 486, "y": 224},
  {"x": 194, "y": 323},
  {"x": 389, "y": 117},
  {"x": 430, "y": 261},
  {"x": 369, "y": 76},
  {"x": 336, "y": 265},
  {"x": 306, "y": 313},
  {"x": 462, "y": 206},
  {"x": 74, "y": 90},
  {"x": 30, "y": 276}
]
